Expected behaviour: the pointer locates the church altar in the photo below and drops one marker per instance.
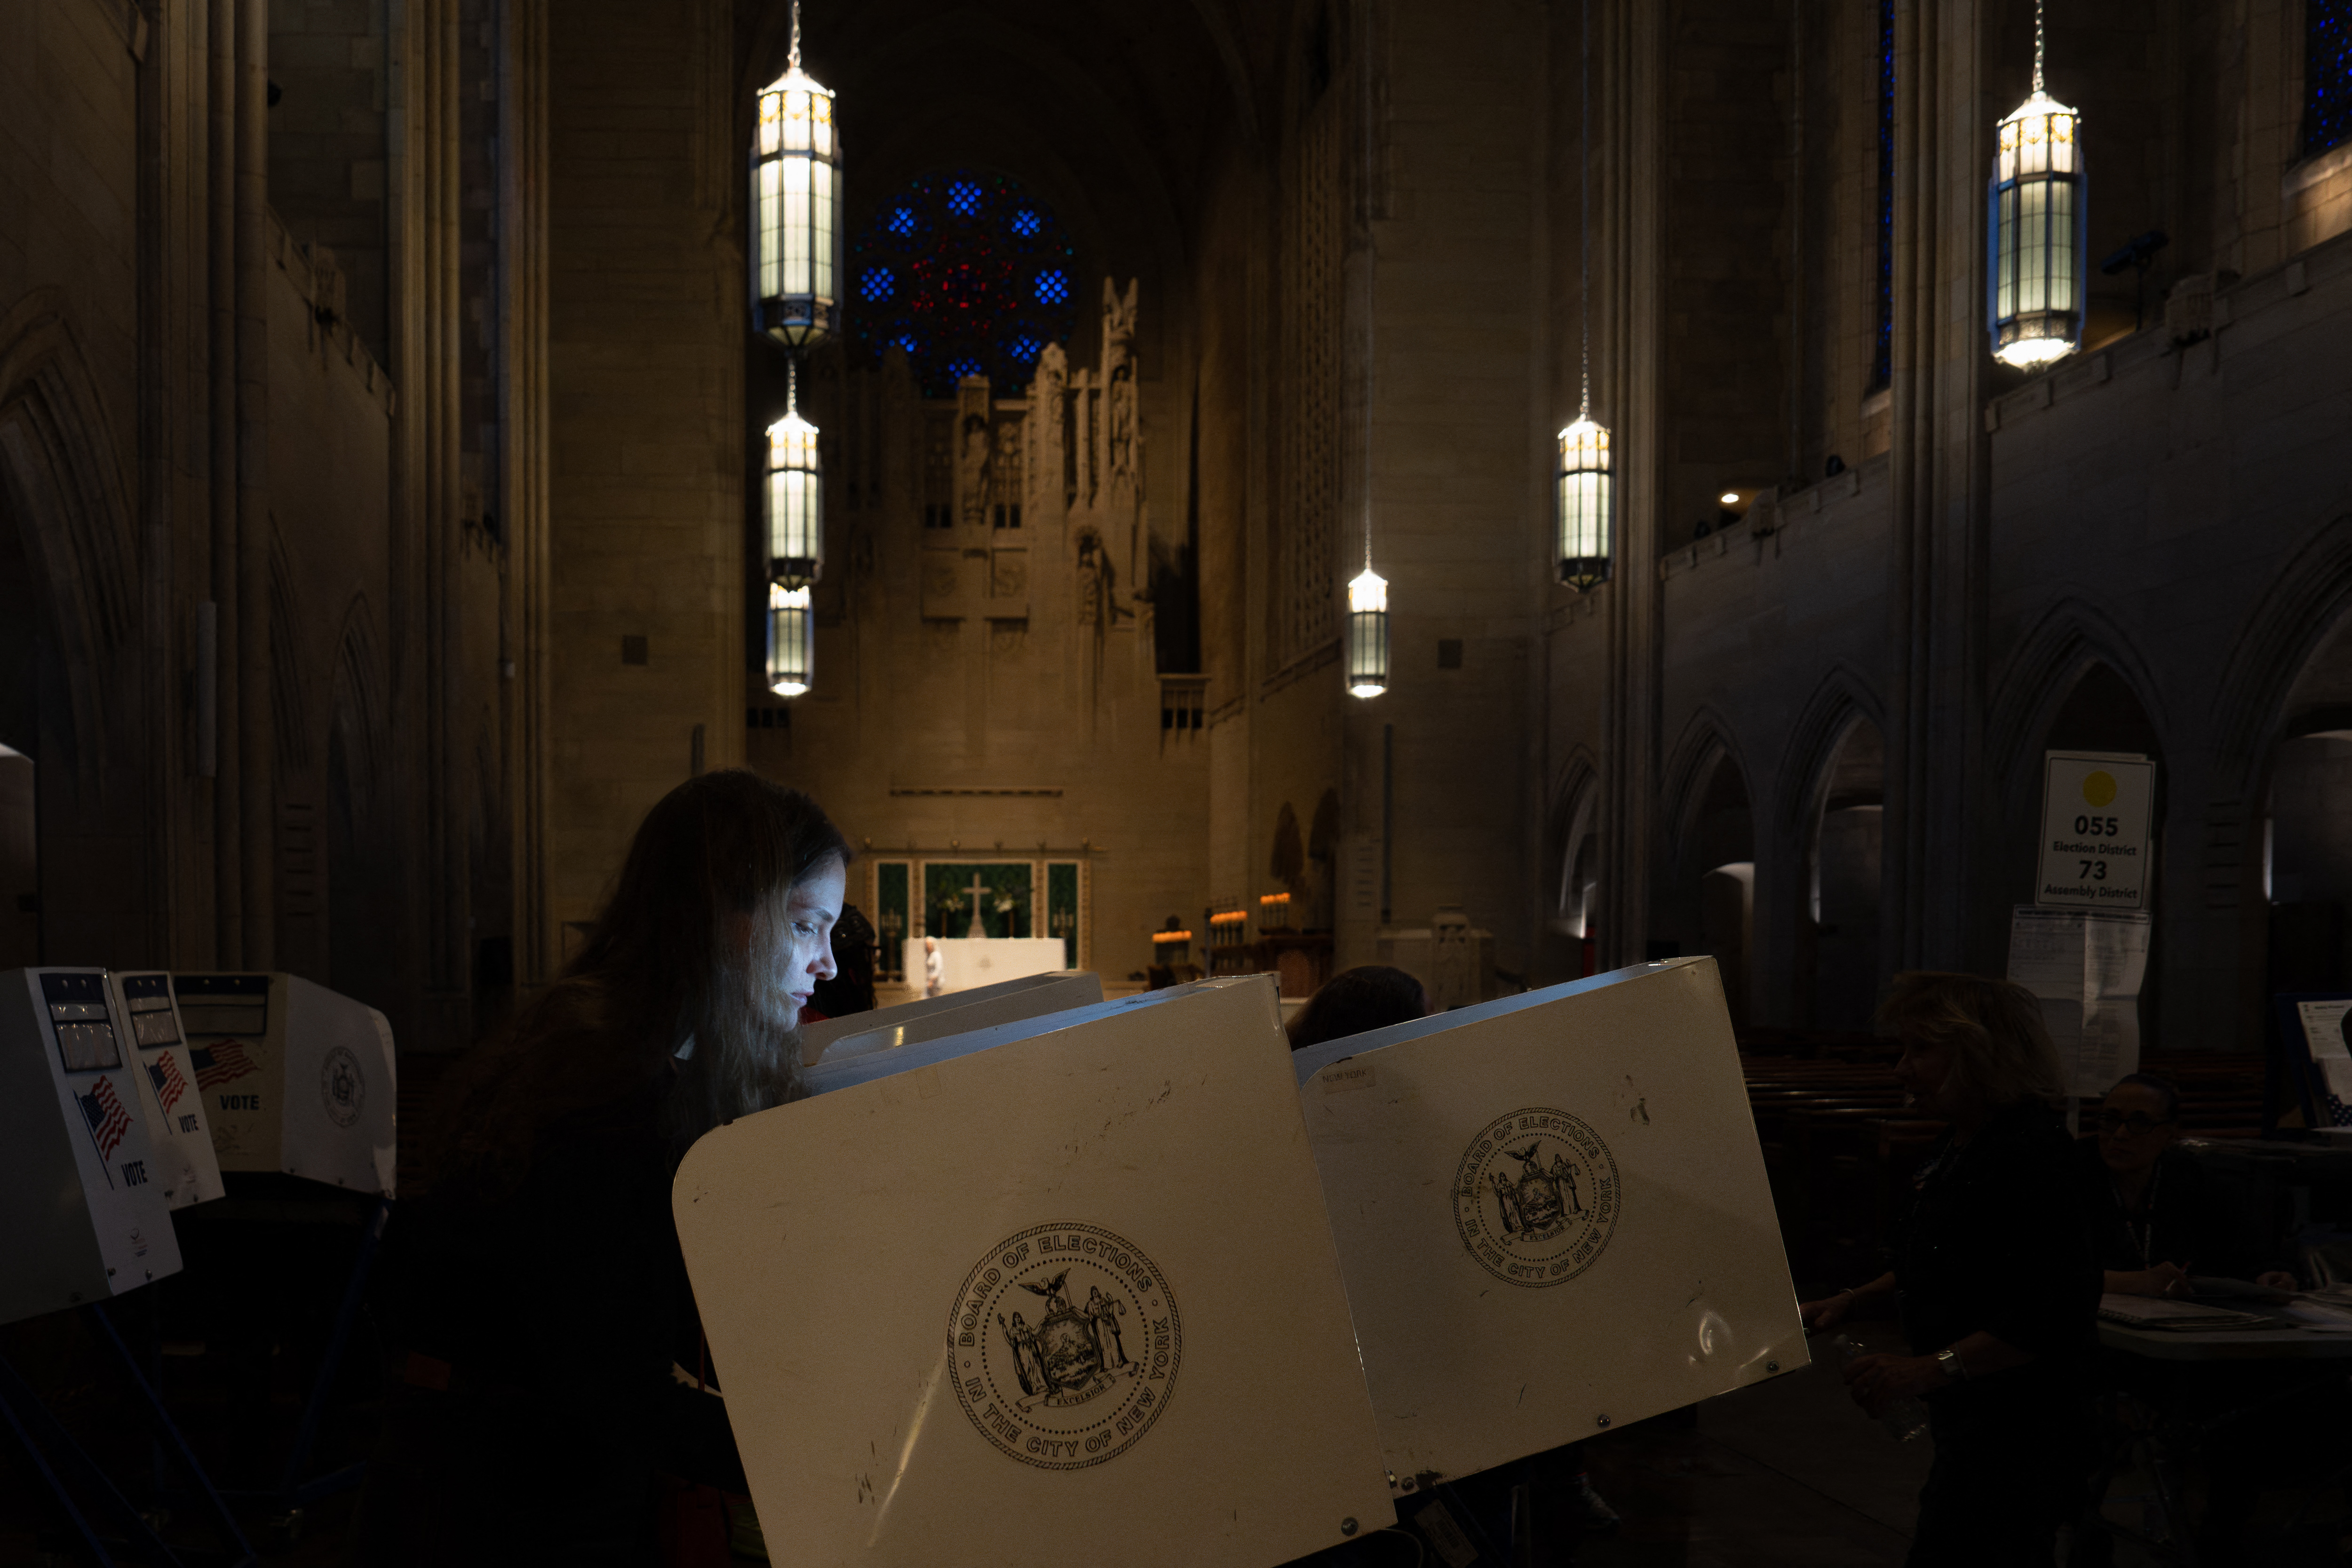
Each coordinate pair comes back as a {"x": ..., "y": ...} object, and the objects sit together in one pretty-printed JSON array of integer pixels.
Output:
[{"x": 967, "y": 961}]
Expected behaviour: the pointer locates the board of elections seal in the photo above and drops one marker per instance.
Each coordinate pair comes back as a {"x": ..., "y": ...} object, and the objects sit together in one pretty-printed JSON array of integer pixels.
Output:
[
  {"x": 342, "y": 1088},
  {"x": 1536, "y": 1197},
  {"x": 1064, "y": 1344}
]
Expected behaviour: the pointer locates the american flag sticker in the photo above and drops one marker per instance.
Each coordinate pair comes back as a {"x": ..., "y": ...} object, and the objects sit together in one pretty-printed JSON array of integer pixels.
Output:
[
  {"x": 108, "y": 1123},
  {"x": 222, "y": 1061},
  {"x": 164, "y": 1070}
]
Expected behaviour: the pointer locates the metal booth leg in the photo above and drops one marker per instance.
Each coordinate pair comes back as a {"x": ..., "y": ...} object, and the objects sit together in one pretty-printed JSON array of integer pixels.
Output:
[
  {"x": 241, "y": 1551},
  {"x": 25, "y": 1410}
]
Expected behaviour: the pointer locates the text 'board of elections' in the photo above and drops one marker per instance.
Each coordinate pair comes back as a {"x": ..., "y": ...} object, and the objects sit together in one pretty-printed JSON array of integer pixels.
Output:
[{"x": 1133, "y": 1272}]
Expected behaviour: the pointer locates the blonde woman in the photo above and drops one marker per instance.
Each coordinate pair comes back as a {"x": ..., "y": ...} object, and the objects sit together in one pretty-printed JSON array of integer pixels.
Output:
[{"x": 1994, "y": 1277}]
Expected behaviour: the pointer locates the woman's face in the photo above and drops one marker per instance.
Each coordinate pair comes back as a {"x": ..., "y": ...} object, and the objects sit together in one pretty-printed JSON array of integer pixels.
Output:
[
  {"x": 2133, "y": 1129},
  {"x": 803, "y": 949},
  {"x": 1924, "y": 1069}
]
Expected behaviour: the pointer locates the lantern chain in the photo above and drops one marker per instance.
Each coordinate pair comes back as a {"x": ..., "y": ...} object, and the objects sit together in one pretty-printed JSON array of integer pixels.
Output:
[
  {"x": 2037, "y": 45},
  {"x": 1584, "y": 216},
  {"x": 794, "y": 59},
  {"x": 1371, "y": 260}
]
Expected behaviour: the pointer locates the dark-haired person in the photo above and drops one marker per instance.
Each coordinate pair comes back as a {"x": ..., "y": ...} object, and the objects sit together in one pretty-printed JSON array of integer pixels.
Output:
[
  {"x": 1997, "y": 1288},
  {"x": 1355, "y": 1001},
  {"x": 555, "y": 1350},
  {"x": 2155, "y": 1214}
]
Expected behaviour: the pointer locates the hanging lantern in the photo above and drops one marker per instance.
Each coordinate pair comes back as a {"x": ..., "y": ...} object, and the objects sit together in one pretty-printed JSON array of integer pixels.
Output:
[
  {"x": 1583, "y": 504},
  {"x": 1368, "y": 635},
  {"x": 2036, "y": 277},
  {"x": 791, "y": 640},
  {"x": 794, "y": 498},
  {"x": 795, "y": 200}
]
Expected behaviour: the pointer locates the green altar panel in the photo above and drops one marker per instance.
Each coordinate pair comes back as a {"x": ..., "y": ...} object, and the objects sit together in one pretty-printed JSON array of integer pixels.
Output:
[
  {"x": 1062, "y": 907},
  {"x": 1006, "y": 900},
  {"x": 893, "y": 914}
]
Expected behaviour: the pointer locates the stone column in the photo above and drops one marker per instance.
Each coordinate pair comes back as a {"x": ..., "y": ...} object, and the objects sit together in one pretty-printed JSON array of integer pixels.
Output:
[
  {"x": 1628, "y": 352},
  {"x": 1938, "y": 472},
  {"x": 255, "y": 732}
]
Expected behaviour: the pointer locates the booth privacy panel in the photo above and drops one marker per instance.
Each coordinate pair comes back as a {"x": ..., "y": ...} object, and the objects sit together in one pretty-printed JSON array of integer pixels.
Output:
[
  {"x": 185, "y": 1162},
  {"x": 297, "y": 1077},
  {"x": 1070, "y": 1295},
  {"x": 82, "y": 1216},
  {"x": 1549, "y": 1210}
]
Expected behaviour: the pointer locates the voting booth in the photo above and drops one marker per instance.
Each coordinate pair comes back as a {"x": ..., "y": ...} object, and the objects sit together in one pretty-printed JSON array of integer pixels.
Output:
[
  {"x": 1059, "y": 1288},
  {"x": 935, "y": 1017},
  {"x": 85, "y": 1217},
  {"x": 1552, "y": 1215},
  {"x": 181, "y": 1140},
  {"x": 295, "y": 1077}
]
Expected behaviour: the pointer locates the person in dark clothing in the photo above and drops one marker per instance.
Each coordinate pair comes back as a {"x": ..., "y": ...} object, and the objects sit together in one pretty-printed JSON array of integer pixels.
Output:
[
  {"x": 1997, "y": 1287},
  {"x": 555, "y": 1390},
  {"x": 1354, "y": 1000},
  {"x": 2155, "y": 1213},
  {"x": 854, "y": 953}
]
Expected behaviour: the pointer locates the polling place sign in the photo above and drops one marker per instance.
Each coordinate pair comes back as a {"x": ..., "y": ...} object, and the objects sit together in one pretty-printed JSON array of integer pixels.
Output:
[{"x": 2096, "y": 812}]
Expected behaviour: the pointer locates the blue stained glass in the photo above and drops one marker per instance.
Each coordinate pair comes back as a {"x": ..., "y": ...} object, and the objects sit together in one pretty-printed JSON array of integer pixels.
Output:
[
  {"x": 970, "y": 274},
  {"x": 1881, "y": 359},
  {"x": 2326, "y": 75}
]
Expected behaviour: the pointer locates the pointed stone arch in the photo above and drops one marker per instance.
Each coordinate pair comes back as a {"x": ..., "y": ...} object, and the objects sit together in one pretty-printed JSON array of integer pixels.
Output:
[
  {"x": 1707, "y": 741},
  {"x": 61, "y": 474},
  {"x": 2070, "y": 638},
  {"x": 2306, "y": 601},
  {"x": 1842, "y": 699},
  {"x": 356, "y": 710}
]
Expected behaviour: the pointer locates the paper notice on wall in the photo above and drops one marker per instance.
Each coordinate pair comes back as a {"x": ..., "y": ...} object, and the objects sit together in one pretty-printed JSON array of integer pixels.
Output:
[
  {"x": 2114, "y": 954},
  {"x": 2046, "y": 954},
  {"x": 2086, "y": 970},
  {"x": 2322, "y": 1033}
]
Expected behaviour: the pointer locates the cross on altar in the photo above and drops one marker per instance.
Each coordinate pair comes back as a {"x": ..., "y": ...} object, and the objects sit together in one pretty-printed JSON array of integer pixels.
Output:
[{"x": 978, "y": 930}]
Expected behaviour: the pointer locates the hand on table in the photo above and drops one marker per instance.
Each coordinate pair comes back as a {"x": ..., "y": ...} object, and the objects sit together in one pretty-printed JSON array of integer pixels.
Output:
[
  {"x": 1878, "y": 1381},
  {"x": 1826, "y": 1313},
  {"x": 2278, "y": 1280},
  {"x": 2164, "y": 1279}
]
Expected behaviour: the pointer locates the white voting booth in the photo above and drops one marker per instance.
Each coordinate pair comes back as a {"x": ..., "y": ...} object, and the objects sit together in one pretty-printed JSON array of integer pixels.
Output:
[
  {"x": 295, "y": 1077},
  {"x": 1552, "y": 1215},
  {"x": 939, "y": 1291},
  {"x": 935, "y": 1017},
  {"x": 1058, "y": 1287},
  {"x": 84, "y": 1214},
  {"x": 182, "y": 1141}
]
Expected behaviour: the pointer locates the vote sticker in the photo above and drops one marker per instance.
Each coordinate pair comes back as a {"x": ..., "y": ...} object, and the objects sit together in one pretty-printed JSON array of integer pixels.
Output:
[
  {"x": 1064, "y": 1344},
  {"x": 1536, "y": 1197}
]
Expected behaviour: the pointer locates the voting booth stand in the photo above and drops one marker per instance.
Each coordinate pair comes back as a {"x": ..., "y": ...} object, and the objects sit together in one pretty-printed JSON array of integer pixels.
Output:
[
  {"x": 296, "y": 1081},
  {"x": 1133, "y": 1273},
  {"x": 87, "y": 1219}
]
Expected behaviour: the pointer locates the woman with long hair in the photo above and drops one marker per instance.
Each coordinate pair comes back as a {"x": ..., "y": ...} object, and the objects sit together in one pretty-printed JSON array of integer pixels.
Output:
[
  {"x": 1994, "y": 1277},
  {"x": 556, "y": 1371}
]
